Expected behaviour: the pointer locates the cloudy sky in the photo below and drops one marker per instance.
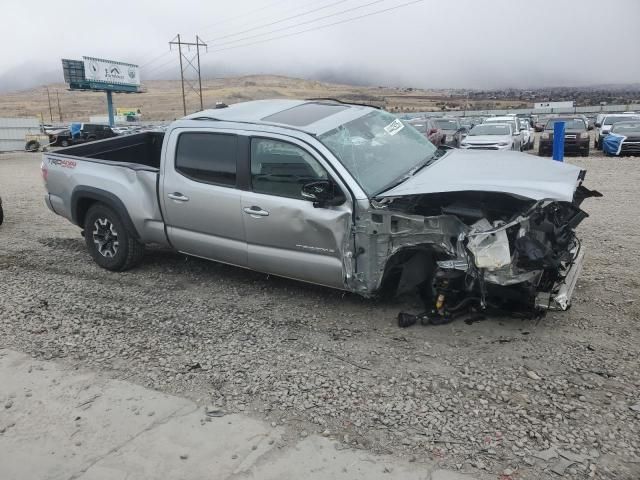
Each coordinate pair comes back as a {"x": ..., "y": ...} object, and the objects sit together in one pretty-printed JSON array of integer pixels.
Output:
[{"x": 428, "y": 43}]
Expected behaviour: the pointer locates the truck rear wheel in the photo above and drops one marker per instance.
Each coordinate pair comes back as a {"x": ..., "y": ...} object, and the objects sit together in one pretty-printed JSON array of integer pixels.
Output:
[{"x": 110, "y": 244}]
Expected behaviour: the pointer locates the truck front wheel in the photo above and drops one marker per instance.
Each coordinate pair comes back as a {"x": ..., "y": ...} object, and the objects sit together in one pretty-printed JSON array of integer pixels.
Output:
[{"x": 110, "y": 244}]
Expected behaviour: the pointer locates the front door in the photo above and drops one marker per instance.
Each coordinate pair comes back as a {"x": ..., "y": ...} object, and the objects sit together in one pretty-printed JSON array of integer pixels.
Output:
[
  {"x": 286, "y": 235},
  {"x": 199, "y": 195}
]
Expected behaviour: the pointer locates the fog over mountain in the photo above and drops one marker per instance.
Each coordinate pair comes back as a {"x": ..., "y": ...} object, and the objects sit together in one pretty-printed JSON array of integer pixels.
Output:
[{"x": 428, "y": 44}]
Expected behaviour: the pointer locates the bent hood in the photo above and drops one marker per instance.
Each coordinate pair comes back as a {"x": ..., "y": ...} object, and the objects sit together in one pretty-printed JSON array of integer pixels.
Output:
[{"x": 514, "y": 173}]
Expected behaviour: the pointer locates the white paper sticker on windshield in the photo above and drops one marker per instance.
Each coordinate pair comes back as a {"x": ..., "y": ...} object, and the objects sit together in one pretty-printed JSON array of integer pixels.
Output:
[{"x": 394, "y": 127}]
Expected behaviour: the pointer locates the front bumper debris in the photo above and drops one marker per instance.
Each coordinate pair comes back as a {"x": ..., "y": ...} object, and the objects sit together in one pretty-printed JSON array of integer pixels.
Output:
[{"x": 560, "y": 296}]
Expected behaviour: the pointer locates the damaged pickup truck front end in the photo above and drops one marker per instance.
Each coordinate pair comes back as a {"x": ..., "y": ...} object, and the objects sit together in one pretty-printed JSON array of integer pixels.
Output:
[{"x": 476, "y": 230}]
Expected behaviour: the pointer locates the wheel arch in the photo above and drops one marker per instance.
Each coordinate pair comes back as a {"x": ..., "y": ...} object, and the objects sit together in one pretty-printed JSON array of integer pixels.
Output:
[
  {"x": 407, "y": 268},
  {"x": 82, "y": 198}
]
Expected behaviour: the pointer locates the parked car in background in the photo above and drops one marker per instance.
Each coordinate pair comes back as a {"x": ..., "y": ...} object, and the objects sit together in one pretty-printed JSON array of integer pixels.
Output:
[
  {"x": 81, "y": 133},
  {"x": 584, "y": 119},
  {"x": 60, "y": 138},
  {"x": 466, "y": 123},
  {"x": 539, "y": 123},
  {"x": 452, "y": 130},
  {"x": 489, "y": 136},
  {"x": 427, "y": 128},
  {"x": 576, "y": 137},
  {"x": 526, "y": 117},
  {"x": 608, "y": 121},
  {"x": 623, "y": 139},
  {"x": 517, "y": 135},
  {"x": 527, "y": 132},
  {"x": 592, "y": 121}
]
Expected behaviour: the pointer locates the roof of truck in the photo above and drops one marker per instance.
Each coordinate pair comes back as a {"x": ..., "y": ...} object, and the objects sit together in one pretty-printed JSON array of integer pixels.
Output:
[{"x": 311, "y": 116}]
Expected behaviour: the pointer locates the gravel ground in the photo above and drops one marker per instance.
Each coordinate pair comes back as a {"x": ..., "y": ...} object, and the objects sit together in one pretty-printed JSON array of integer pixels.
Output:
[{"x": 519, "y": 399}]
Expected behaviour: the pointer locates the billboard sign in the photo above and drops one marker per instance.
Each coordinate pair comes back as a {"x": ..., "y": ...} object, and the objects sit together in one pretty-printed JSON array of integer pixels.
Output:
[{"x": 108, "y": 71}]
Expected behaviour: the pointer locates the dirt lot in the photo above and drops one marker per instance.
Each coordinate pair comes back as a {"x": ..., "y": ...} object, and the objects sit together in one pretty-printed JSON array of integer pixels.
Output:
[{"x": 517, "y": 399}]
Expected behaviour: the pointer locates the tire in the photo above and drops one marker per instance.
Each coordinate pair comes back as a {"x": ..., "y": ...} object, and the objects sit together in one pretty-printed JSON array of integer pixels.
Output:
[
  {"x": 1, "y": 214},
  {"x": 110, "y": 244},
  {"x": 32, "y": 146},
  {"x": 64, "y": 142}
]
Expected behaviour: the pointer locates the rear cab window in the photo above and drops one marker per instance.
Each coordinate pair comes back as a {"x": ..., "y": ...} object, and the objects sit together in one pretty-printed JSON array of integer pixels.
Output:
[{"x": 207, "y": 157}]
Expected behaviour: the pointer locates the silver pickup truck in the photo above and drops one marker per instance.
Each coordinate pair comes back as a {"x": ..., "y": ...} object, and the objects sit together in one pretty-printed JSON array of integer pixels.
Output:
[{"x": 342, "y": 195}]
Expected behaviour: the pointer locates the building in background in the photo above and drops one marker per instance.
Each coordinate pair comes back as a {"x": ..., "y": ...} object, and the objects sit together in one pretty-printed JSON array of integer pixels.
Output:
[{"x": 568, "y": 104}]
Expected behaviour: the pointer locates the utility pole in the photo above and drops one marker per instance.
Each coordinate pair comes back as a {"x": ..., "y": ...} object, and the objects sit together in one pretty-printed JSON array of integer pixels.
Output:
[
  {"x": 187, "y": 63},
  {"x": 50, "y": 111},
  {"x": 59, "y": 109}
]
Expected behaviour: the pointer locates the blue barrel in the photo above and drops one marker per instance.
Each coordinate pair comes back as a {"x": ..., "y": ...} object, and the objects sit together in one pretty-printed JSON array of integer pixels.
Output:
[{"x": 558, "y": 141}]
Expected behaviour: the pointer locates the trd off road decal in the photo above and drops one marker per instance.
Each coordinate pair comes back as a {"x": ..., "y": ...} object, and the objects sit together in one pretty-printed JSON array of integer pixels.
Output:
[{"x": 62, "y": 162}]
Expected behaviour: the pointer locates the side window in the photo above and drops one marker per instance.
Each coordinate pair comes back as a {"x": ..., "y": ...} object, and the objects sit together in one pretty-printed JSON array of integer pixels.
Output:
[
  {"x": 207, "y": 157},
  {"x": 281, "y": 168}
]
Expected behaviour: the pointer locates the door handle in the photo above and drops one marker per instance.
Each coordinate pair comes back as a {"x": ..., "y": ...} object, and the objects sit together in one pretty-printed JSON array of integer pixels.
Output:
[
  {"x": 178, "y": 196},
  {"x": 256, "y": 211}
]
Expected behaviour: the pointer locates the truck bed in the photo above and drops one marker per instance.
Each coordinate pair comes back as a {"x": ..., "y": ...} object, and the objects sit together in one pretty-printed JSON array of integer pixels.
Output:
[
  {"x": 121, "y": 172},
  {"x": 133, "y": 151}
]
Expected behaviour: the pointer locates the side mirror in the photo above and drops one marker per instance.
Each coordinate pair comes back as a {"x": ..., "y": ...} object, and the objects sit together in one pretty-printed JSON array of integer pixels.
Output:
[
  {"x": 598, "y": 124},
  {"x": 322, "y": 193},
  {"x": 432, "y": 131}
]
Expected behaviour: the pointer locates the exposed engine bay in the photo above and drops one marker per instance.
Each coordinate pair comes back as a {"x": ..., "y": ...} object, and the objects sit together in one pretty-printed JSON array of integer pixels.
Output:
[{"x": 472, "y": 251}]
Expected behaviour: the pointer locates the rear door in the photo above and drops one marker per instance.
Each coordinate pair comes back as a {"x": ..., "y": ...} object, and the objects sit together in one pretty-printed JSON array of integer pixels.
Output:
[
  {"x": 286, "y": 235},
  {"x": 200, "y": 196}
]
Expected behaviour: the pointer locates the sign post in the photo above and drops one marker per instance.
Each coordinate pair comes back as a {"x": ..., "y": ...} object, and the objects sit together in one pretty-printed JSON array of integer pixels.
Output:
[
  {"x": 558, "y": 141},
  {"x": 100, "y": 75},
  {"x": 110, "y": 108}
]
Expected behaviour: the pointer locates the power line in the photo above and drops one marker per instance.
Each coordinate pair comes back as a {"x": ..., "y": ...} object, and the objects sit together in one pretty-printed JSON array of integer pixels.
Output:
[
  {"x": 159, "y": 66},
  {"x": 229, "y": 19},
  {"x": 243, "y": 14},
  {"x": 277, "y": 21},
  {"x": 377, "y": 12},
  {"x": 319, "y": 27},
  {"x": 155, "y": 58},
  {"x": 313, "y": 20}
]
